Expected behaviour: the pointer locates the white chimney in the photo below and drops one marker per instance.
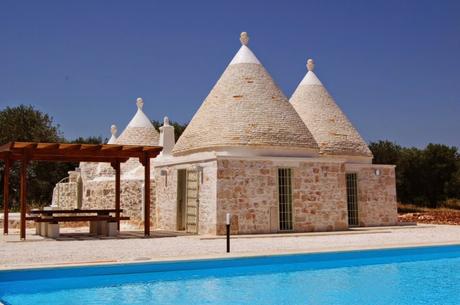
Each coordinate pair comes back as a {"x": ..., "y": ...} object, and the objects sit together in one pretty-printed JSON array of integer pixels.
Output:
[{"x": 167, "y": 140}]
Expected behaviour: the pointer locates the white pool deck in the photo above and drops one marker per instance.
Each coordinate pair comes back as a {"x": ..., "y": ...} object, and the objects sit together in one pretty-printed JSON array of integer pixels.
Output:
[{"x": 79, "y": 249}]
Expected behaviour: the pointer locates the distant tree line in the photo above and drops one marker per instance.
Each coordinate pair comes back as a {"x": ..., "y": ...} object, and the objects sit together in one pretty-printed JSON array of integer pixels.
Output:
[{"x": 424, "y": 177}]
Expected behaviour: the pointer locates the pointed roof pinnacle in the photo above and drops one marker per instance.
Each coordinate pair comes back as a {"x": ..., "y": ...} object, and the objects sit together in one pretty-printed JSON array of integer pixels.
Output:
[
  {"x": 310, "y": 78},
  {"x": 165, "y": 121},
  {"x": 139, "y": 130},
  {"x": 113, "y": 130},
  {"x": 140, "y": 119},
  {"x": 140, "y": 103},
  {"x": 244, "y": 55},
  {"x": 310, "y": 64},
  {"x": 244, "y": 38}
]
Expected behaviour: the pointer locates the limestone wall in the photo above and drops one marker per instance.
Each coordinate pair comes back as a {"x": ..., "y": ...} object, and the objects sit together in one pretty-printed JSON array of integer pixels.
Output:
[
  {"x": 319, "y": 193},
  {"x": 100, "y": 194},
  {"x": 249, "y": 191},
  {"x": 166, "y": 207},
  {"x": 377, "y": 203},
  {"x": 65, "y": 195}
]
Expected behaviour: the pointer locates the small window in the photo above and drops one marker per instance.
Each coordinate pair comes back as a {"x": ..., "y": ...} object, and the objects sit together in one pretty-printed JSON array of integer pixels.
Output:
[
  {"x": 285, "y": 198},
  {"x": 352, "y": 199}
]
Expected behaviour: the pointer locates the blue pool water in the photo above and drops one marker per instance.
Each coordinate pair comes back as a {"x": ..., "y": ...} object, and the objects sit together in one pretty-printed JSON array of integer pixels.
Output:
[{"x": 426, "y": 275}]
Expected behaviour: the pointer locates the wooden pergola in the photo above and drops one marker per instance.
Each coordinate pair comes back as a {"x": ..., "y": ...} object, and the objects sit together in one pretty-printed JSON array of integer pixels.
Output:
[{"x": 25, "y": 152}]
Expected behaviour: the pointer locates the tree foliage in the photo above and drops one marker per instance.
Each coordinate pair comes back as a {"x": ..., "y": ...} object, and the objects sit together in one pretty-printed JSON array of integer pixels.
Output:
[
  {"x": 25, "y": 123},
  {"x": 426, "y": 176}
]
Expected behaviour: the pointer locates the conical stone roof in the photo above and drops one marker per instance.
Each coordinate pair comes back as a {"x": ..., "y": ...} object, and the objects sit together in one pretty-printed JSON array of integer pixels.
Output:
[
  {"x": 246, "y": 110},
  {"x": 140, "y": 130},
  {"x": 330, "y": 127}
]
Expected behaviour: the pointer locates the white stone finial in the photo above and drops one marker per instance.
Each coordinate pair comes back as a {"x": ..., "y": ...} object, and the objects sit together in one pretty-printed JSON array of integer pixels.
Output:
[
  {"x": 113, "y": 130},
  {"x": 140, "y": 103},
  {"x": 166, "y": 121},
  {"x": 244, "y": 38},
  {"x": 310, "y": 64}
]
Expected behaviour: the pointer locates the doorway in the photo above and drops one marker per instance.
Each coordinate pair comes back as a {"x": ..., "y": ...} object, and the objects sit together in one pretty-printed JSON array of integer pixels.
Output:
[
  {"x": 181, "y": 198},
  {"x": 187, "y": 200}
]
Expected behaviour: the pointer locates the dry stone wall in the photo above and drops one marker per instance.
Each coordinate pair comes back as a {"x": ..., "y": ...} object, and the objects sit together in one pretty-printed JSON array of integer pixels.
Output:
[
  {"x": 65, "y": 195},
  {"x": 100, "y": 194}
]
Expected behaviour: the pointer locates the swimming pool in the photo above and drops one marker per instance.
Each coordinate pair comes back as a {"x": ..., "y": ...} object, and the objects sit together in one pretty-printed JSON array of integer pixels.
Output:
[{"x": 424, "y": 275}]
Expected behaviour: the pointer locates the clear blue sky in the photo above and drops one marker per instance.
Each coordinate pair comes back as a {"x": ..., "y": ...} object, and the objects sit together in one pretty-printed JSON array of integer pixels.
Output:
[{"x": 393, "y": 66}]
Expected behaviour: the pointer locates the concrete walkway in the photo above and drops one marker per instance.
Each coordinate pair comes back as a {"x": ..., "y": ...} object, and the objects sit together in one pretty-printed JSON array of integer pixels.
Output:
[{"x": 76, "y": 249}]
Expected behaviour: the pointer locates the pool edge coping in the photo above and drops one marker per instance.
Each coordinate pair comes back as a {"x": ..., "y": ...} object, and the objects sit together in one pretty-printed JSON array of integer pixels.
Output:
[{"x": 179, "y": 259}]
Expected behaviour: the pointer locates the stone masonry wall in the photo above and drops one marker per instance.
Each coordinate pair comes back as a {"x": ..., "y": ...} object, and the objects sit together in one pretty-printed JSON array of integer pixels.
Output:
[
  {"x": 100, "y": 194},
  {"x": 249, "y": 191},
  {"x": 166, "y": 207},
  {"x": 65, "y": 195},
  {"x": 377, "y": 204}
]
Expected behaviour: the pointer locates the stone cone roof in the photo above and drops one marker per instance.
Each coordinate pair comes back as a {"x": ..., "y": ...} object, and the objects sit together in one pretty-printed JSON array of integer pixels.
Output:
[
  {"x": 246, "y": 109},
  {"x": 330, "y": 127},
  {"x": 140, "y": 130}
]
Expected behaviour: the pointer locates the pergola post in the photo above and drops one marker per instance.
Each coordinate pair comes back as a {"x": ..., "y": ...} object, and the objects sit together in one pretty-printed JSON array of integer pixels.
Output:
[
  {"x": 116, "y": 166},
  {"x": 146, "y": 162},
  {"x": 6, "y": 194},
  {"x": 23, "y": 196}
]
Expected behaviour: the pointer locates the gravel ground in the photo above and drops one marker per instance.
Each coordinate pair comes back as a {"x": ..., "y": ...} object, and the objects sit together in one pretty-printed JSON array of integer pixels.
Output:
[{"x": 80, "y": 249}]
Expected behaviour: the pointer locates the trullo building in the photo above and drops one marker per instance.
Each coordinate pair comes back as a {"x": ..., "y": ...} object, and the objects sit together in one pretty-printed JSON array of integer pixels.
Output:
[{"x": 274, "y": 165}]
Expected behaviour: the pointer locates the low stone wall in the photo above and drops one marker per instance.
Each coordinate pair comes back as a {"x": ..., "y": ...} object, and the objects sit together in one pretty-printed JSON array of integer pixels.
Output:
[
  {"x": 65, "y": 195},
  {"x": 377, "y": 205},
  {"x": 249, "y": 191}
]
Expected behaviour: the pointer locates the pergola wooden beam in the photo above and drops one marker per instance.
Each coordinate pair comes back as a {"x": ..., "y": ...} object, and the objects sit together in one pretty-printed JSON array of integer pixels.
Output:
[
  {"x": 23, "y": 195},
  {"x": 63, "y": 152},
  {"x": 145, "y": 160},
  {"x": 6, "y": 195},
  {"x": 116, "y": 167}
]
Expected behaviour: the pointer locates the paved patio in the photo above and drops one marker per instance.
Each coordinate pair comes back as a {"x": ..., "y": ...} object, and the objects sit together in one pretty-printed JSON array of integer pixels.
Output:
[{"x": 75, "y": 247}]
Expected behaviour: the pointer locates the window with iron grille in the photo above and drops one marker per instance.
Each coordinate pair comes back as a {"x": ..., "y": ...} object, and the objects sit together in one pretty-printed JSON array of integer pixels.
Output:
[
  {"x": 285, "y": 198},
  {"x": 352, "y": 199}
]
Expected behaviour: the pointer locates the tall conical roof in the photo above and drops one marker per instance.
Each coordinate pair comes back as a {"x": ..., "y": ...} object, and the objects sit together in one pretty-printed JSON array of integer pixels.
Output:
[
  {"x": 246, "y": 110},
  {"x": 330, "y": 127},
  {"x": 140, "y": 130}
]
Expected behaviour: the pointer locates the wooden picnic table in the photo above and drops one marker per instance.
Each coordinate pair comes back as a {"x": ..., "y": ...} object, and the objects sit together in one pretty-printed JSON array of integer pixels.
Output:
[
  {"x": 76, "y": 211},
  {"x": 102, "y": 223}
]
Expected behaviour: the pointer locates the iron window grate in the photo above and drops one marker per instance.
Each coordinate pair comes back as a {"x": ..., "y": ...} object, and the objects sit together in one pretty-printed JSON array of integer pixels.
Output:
[
  {"x": 352, "y": 199},
  {"x": 285, "y": 198}
]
